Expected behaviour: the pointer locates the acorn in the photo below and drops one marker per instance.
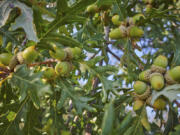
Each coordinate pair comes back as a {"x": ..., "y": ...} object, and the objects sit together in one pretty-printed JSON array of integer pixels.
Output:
[
  {"x": 30, "y": 54},
  {"x": 76, "y": 52},
  {"x": 48, "y": 73},
  {"x": 5, "y": 58},
  {"x": 92, "y": 8},
  {"x": 58, "y": 53},
  {"x": 169, "y": 79},
  {"x": 115, "y": 20},
  {"x": 63, "y": 68},
  {"x": 175, "y": 73},
  {"x": 145, "y": 75},
  {"x": 118, "y": 33},
  {"x": 157, "y": 81},
  {"x": 145, "y": 95},
  {"x": 159, "y": 65},
  {"x": 142, "y": 90},
  {"x": 73, "y": 53},
  {"x": 135, "y": 32},
  {"x": 138, "y": 104},
  {"x": 159, "y": 103},
  {"x": 140, "y": 87}
]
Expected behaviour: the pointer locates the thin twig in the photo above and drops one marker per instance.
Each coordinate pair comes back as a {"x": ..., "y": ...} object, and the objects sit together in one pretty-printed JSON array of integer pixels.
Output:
[
  {"x": 47, "y": 62},
  {"x": 113, "y": 54}
]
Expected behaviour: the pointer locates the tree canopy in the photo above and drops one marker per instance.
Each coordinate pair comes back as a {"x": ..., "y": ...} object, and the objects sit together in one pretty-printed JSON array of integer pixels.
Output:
[{"x": 89, "y": 67}]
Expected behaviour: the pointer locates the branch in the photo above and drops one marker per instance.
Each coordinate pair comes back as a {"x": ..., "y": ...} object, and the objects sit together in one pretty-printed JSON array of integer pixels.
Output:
[
  {"x": 113, "y": 54},
  {"x": 4, "y": 72},
  {"x": 47, "y": 62}
]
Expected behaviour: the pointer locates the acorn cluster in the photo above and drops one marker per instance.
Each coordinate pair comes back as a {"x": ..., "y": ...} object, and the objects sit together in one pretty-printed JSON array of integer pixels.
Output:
[
  {"x": 64, "y": 65},
  {"x": 155, "y": 78},
  {"x": 63, "y": 57},
  {"x": 25, "y": 57},
  {"x": 127, "y": 28}
]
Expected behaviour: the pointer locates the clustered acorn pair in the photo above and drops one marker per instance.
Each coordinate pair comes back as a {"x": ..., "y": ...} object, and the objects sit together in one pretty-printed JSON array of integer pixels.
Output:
[
  {"x": 155, "y": 78},
  {"x": 64, "y": 65},
  {"x": 126, "y": 28},
  {"x": 29, "y": 55}
]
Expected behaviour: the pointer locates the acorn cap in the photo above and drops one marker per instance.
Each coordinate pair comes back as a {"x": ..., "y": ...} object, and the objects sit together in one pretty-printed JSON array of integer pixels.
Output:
[
  {"x": 145, "y": 95},
  {"x": 20, "y": 58},
  {"x": 135, "y": 32},
  {"x": 169, "y": 79},
  {"x": 145, "y": 75},
  {"x": 69, "y": 53},
  {"x": 14, "y": 61},
  {"x": 157, "y": 69}
]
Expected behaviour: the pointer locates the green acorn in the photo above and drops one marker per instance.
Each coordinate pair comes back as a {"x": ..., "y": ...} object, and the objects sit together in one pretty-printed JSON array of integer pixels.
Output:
[
  {"x": 159, "y": 103},
  {"x": 157, "y": 81},
  {"x": 145, "y": 95},
  {"x": 118, "y": 33},
  {"x": 58, "y": 53},
  {"x": 142, "y": 90},
  {"x": 63, "y": 68},
  {"x": 29, "y": 54},
  {"x": 159, "y": 65},
  {"x": 135, "y": 32},
  {"x": 145, "y": 75},
  {"x": 169, "y": 79},
  {"x": 5, "y": 58},
  {"x": 138, "y": 104},
  {"x": 140, "y": 87},
  {"x": 73, "y": 53},
  {"x": 175, "y": 73},
  {"x": 161, "y": 61},
  {"x": 115, "y": 20},
  {"x": 92, "y": 8},
  {"x": 48, "y": 73},
  {"x": 76, "y": 52}
]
